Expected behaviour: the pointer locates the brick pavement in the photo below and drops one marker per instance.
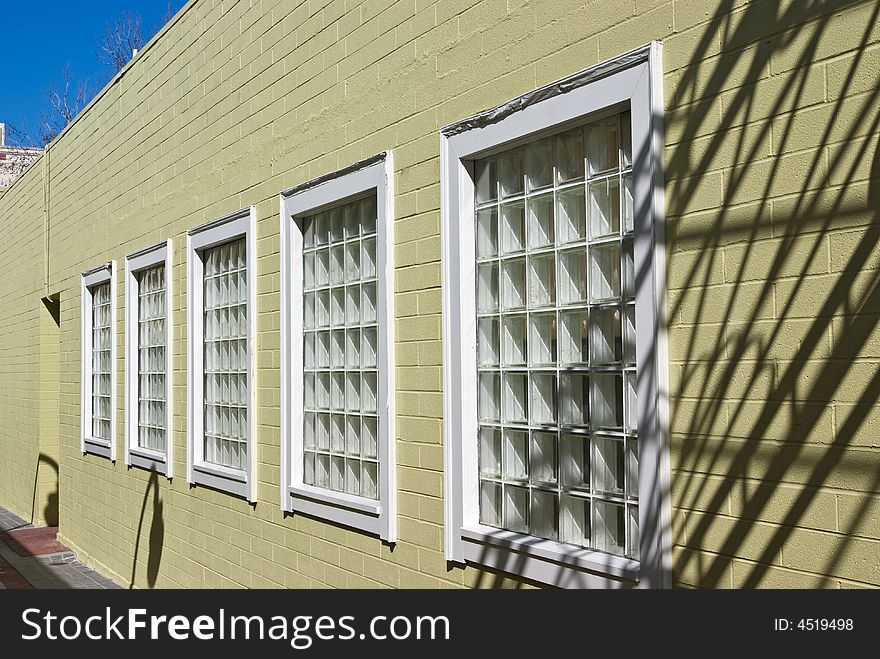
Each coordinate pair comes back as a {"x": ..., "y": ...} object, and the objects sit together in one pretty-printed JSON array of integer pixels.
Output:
[{"x": 32, "y": 557}]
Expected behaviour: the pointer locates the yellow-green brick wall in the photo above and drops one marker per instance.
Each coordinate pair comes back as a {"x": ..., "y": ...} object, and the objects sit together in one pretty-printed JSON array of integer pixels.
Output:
[{"x": 771, "y": 132}]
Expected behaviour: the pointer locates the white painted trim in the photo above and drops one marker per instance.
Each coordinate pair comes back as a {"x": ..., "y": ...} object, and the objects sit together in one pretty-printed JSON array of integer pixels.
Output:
[
  {"x": 136, "y": 456},
  {"x": 240, "y": 224},
  {"x": 377, "y": 517},
  {"x": 637, "y": 83},
  {"x": 88, "y": 443}
]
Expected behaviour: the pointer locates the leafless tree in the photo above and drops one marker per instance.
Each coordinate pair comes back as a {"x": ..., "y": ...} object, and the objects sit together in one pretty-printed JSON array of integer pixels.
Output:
[
  {"x": 115, "y": 46},
  {"x": 65, "y": 100}
]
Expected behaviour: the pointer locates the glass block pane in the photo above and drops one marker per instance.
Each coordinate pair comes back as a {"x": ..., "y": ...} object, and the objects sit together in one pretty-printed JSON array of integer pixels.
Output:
[
  {"x": 607, "y": 400},
  {"x": 322, "y": 267},
  {"x": 543, "y": 458},
  {"x": 369, "y": 391},
  {"x": 490, "y": 452},
  {"x": 487, "y": 287},
  {"x": 632, "y": 534},
  {"x": 630, "y": 400},
  {"x": 322, "y": 470},
  {"x": 309, "y": 390},
  {"x": 322, "y": 308},
  {"x": 352, "y": 348},
  {"x": 629, "y": 270},
  {"x": 513, "y": 233},
  {"x": 323, "y": 432},
  {"x": 604, "y": 272},
  {"x": 337, "y": 473},
  {"x": 516, "y": 508},
  {"x": 569, "y": 152},
  {"x": 514, "y": 340},
  {"x": 626, "y": 138},
  {"x": 573, "y": 345},
  {"x": 487, "y": 341},
  {"x": 571, "y": 215},
  {"x": 351, "y": 217},
  {"x": 544, "y": 514},
  {"x": 608, "y": 527},
  {"x": 486, "y": 180},
  {"x": 575, "y": 526},
  {"x": 337, "y": 264},
  {"x": 539, "y": 164},
  {"x": 632, "y": 467},
  {"x": 369, "y": 214},
  {"x": 490, "y": 396},
  {"x": 368, "y": 258},
  {"x": 513, "y": 284},
  {"x": 542, "y": 280},
  {"x": 337, "y": 391},
  {"x": 628, "y": 212},
  {"x": 516, "y": 455},
  {"x": 352, "y": 261},
  {"x": 337, "y": 433},
  {"x": 490, "y": 503},
  {"x": 574, "y": 395},
  {"x": 309, "y": 319},
  {"x": 370, "y": 480},
  {"x": 310, "y": 439},
  {"x": 369, "y": 347},
  {"x": 510, "y": 172},
  {"x": 368, "y": 303},
  {"x": 352, "y": 476},
  {"x": 353, "y": 392},
  {"x": 542, "y": 339},
  {"x": 322, "y": 349},
  {"x": 542, "y": 407},
  {"x": 629, "y": 335},
  {"x": 540, "y": 220},
  {"x": 515, "y": 397},
  {"x": 605, "y": 338},
  {"x": 602, "y": 146},
  {"x": 369, "y": 437},
  {"x": 352, "y": 305},
  {"x": 604, "y": 208},
  {"x": 575, "y": 461},
  {"x": 337, "y": 348},
  {"x": 487, "y": 232},
  {"x": 573, "y": 276},
  {"x": 608, "y": 464}
]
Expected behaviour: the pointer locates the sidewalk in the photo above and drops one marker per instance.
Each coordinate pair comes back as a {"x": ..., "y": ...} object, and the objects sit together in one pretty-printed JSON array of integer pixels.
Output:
[{"x": 32, "y": 557}]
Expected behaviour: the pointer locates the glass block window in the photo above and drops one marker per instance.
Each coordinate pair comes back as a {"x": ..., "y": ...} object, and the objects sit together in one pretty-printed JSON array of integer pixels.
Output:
[
  {"x": 102, "y": 337},
  {"x": 226, "y": 354},
  {"x": 558, "y": 443},
  {"x": 151, "y": 359},
  {"x": 340, "y": 388}
]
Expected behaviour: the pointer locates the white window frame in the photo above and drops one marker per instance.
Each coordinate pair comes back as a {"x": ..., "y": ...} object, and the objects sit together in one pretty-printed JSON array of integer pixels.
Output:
[
  {"x": 633, "y": 79},
  {"x": 88, "y": 443},
  {"x": 240, "y": 482},
  {"x": 373, "y": 516},
  {"x": 136, "y": 456}
]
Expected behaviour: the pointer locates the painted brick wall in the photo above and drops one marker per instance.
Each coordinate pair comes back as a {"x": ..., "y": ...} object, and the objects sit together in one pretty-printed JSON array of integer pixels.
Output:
[{"x": 771, "y": 131}]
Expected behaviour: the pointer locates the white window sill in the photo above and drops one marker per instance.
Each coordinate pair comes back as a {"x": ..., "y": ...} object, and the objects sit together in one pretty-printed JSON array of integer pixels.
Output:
[
  {"x": 149, "y": 460},
  {"x": 232, "y": 481},
  {"x": 547, "y": 561},
  {"x": 99, "y": 447},
  {"x": 346, "y": 509}
]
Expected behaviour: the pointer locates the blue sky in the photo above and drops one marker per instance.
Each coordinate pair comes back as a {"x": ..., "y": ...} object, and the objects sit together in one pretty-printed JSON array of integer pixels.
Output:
[{"x": 41, "y": 37}]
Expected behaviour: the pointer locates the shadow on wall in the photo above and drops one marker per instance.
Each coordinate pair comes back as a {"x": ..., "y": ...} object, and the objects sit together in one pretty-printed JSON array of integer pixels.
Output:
[
  {"x": 770, "y": 399},
  {"x": 156, "y": 538},
  {"x": 50, "y": 510},
  {"x": 770, "y": 314}
]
